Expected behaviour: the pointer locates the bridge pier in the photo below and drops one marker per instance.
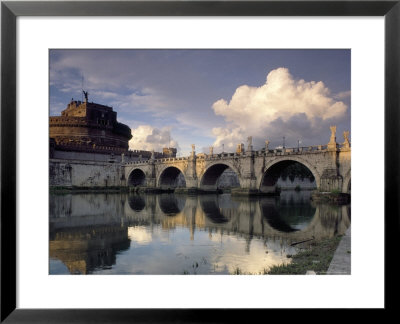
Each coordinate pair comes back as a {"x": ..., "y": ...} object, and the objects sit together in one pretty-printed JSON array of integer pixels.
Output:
[
  {"x": 191, "y": 175},
  {"x": 331, "y": 180},
  {"x": 248, "y": 180},
  {"x": 151, "y": 182}
]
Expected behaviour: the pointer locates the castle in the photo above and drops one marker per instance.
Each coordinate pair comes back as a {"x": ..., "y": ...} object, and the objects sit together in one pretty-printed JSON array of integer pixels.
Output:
[{"x": 92, "y": 128}]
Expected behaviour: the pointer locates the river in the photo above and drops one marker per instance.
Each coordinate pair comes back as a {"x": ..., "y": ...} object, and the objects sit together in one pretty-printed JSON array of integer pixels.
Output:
[{"x": 122, "y": 233}]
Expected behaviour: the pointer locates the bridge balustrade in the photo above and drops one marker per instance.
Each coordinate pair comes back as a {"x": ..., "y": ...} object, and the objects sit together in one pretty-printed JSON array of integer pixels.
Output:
[{"x": 222, "y": 156}]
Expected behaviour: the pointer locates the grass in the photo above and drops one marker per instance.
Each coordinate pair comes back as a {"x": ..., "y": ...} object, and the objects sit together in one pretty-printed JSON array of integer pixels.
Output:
[{"x": 317, "y": 258}]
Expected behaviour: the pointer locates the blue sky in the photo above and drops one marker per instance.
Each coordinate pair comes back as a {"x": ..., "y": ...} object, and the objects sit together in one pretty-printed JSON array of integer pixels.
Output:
[{"x": 211, "y": 97}]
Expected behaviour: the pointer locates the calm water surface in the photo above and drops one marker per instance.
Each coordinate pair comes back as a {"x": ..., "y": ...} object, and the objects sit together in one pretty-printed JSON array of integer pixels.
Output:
[{"x": 181, "y": 234}]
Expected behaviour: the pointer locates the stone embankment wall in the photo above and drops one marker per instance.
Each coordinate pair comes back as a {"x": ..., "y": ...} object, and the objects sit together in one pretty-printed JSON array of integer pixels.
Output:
[{"x": 74, "y": 173}]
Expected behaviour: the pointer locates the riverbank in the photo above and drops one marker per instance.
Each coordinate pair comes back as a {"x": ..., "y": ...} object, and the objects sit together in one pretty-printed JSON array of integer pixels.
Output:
[
  {"x": 341, "y": 262},
  {"x": 152, "y": 190},
  {"x": 330, "y": 256},
  {"x": 79, "y": 190}
]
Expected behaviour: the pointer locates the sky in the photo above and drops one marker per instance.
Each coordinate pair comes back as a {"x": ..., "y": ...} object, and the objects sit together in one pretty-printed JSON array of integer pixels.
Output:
[{"x": 216, "y": 97}]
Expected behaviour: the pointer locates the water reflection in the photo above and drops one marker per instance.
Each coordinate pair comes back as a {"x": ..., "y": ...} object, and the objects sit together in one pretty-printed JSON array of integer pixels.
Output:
[
  {"x": 171, "y": 204},
  {"x": 84, "y": 249},
  {"x": 177, "y": 234},
  {"x": 136, "y": 203},
  {"x": 292, "y": 211},
  {"x": 215, "y": 210}
]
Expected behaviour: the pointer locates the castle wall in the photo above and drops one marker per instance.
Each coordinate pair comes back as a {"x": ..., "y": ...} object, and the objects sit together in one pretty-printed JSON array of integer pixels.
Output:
[
  {"x": 86, "y": 136},
  {"x": 68, "y": 173},
  {"x": 97, "y": 157},
  {"x": 84, "y": 156}
]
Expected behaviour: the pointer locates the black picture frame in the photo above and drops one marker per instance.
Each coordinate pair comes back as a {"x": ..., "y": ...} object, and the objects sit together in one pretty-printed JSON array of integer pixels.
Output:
[{"x": 10, "y": 10}]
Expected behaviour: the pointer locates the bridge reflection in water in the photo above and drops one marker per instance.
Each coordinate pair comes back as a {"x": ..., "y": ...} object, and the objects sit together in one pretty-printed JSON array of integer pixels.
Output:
[{"x": 181, "y": 234}]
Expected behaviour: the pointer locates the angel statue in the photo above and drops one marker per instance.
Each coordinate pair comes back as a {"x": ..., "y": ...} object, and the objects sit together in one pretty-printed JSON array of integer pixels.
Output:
[
  {"x": 85, "y": 93},
  {"x": 333, "y": 134}
]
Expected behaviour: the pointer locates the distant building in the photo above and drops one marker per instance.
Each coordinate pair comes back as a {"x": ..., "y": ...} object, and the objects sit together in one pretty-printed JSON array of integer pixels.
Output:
[
  {"x": 240, "y": 148},
  {"x": 169, "y": 152}
]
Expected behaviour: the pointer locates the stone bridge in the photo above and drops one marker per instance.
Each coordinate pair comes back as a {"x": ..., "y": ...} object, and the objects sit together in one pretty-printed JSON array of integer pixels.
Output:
[{"x": 257, "y": 171}]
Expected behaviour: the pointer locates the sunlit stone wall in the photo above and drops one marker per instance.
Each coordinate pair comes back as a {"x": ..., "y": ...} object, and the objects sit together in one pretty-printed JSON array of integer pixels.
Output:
[{"x": 69, "y": 173}]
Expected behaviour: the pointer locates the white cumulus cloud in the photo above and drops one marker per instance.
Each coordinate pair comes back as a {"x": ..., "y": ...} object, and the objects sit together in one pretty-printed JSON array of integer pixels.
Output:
[
  {"x": 146, "y": 137},
  {"x": 282, "y": 106}
]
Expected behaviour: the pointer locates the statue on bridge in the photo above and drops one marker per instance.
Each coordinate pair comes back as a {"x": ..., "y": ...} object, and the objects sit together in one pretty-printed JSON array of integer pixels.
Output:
[
  {"x": 346, "y": 143},
  {"x": 333, "y": 135},
  {"x": 266, "y": 146},
  {"x": 346, "y": 136},
  {"x": 332, "y": 145}
]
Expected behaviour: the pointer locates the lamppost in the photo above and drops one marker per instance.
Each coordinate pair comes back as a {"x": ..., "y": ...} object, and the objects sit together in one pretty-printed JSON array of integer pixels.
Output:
[{"x": 283, "y": 142}]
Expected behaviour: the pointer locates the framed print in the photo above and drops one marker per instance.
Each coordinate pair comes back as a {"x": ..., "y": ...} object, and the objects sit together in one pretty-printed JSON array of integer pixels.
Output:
[{"x": 263, "y": 89}]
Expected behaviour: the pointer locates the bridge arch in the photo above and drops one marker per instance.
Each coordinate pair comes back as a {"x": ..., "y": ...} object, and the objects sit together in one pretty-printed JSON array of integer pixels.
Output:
[
  {"x": 171, "y": 177},
  {"x": 137, "y": 177},
  {"x": 274, "y": 168},
  {"x": 209, "y": 178}
]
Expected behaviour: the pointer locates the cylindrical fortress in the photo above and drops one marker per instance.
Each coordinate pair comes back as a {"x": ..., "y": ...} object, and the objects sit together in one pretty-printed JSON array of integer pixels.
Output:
[{"x": 89, "y": 127}]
